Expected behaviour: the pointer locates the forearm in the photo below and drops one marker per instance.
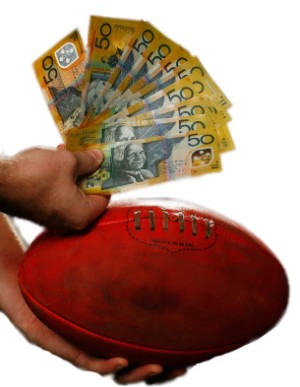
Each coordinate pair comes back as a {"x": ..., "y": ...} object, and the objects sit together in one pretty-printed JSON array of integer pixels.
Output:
[
  {"x": 11, "y": 252},
  {"x": 18, "y": 185},
  {"x": 11, "y": 247}
]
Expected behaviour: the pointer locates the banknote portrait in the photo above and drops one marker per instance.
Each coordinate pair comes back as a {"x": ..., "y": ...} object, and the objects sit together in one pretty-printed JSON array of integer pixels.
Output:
[
  {"x": 118, "y": 133},
  {"x": 129, "y": 166},
  {"x": 124, "y": 133}
]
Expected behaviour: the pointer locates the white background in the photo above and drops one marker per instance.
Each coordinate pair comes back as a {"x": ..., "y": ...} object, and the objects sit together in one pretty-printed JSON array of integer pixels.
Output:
[{"x": 251, "y": 48}]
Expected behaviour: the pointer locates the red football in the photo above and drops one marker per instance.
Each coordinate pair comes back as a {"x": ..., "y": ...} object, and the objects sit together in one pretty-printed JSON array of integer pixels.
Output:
[{"x": 155, "y": 282}]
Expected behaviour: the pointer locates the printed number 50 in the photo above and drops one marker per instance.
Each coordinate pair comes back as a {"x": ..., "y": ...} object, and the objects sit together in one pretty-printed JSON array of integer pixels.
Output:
[
  {"x": 194, "y": 140},
  {"x": 51, "y": 71}
]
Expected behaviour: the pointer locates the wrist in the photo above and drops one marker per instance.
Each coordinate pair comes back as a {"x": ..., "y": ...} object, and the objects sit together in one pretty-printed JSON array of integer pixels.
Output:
[{"x": 7, "y": 185}]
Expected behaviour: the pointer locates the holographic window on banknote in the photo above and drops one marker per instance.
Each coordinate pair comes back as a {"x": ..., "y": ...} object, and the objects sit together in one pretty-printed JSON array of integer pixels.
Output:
[
  {"x": 201, "y": 157},
  {"x": 66, "y": 55}
]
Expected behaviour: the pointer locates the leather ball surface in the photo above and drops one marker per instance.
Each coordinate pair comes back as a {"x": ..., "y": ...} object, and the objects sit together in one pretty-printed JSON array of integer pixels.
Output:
[{"x": 155, "y": 282}]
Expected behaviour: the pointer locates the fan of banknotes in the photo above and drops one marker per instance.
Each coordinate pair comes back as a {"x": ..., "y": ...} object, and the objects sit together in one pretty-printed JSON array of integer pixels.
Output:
[{"x": 144, "y": 100}]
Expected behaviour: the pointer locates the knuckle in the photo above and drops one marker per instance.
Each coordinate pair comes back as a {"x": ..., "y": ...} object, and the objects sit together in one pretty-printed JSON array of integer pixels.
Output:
[{"x": 72, "y": 160}]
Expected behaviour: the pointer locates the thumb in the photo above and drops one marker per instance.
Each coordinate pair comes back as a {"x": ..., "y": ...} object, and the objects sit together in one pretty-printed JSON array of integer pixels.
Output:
[
  {"x": 88, "y": 210},
  {"x": 97, "y": 205},
  {"x": 88, "y": 161}
]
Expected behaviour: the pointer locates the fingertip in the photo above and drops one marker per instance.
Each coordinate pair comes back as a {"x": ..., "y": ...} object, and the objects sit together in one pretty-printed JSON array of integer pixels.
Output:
[
  {"x": 166, "y": 376},
  {"x": 111, "y": 366},
  {"x": 120, "y": 364},
  {"x": 137, "y": 374},
  {"x": 97, "y": 154},
  {"x": 88, "y": 161},
  {"x": 156, "y": 369},
  {"x": 97, "y": 204}
]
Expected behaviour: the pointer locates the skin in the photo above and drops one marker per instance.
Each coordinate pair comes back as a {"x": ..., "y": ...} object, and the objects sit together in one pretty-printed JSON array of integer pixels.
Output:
[{"x": 40, "y": 185}]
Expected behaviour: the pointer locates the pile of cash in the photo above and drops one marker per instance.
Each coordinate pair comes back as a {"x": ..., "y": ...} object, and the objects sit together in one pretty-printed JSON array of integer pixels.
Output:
[{"x": 144, "y": 100}]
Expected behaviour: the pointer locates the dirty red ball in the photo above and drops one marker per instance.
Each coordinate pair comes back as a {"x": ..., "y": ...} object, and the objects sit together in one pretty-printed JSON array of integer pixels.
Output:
[{"x": 155, "y": 281}]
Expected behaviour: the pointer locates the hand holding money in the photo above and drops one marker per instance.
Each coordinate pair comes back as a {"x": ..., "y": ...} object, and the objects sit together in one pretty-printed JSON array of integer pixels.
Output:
[{"x": 147, "y": 103}]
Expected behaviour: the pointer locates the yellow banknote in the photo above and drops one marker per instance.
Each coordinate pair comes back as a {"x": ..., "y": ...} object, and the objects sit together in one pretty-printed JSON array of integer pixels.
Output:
[
  {"x": 120, "y": 70},
  {"x": 159, "y": 69},
  {"x": 147, "y": 46},
  {"x": 191, "y": 107},
  {"x": 180, "y": 65},
  {"x": 165, "y": 80},
  {"x": 174, "y": 126},
  {"x": 60, "y": 73},
  {"x": 133, "y": 129},
  {"x": 145, "y": 101},
  {"x": 183, "y": 90},
  {"x": 135, "y": 164},
  {"x": 175, "y": 59},
  {"x": 186, "y": 69},
  {"x": 226, "y": 141},
  {"x": 159, "y": 50},
  {"x": 107, "y": 40}
]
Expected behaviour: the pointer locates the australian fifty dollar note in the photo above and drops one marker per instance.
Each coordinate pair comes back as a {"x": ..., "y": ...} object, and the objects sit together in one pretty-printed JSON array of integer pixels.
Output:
[
  {"x": 60, "y": 73},
  {"x": 107, "y": 40},
  {"x": 138, "y": 163}
]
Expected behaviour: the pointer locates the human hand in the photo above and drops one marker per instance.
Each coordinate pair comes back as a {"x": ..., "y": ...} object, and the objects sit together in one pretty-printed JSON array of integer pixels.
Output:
[
  {"x": 151, "y": 374},
  {"x": 40, "y": 185},
  {"x": 13, "y": 305}
]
